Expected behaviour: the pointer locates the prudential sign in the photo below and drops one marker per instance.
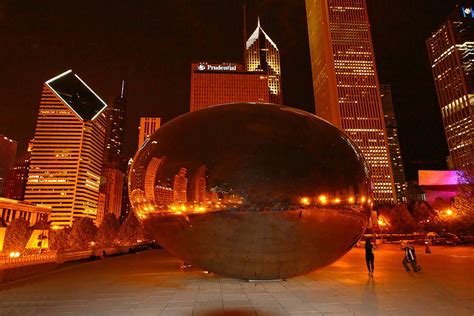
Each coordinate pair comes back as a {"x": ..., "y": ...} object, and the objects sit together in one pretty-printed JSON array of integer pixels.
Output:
[{"x": 218, "y": 67}]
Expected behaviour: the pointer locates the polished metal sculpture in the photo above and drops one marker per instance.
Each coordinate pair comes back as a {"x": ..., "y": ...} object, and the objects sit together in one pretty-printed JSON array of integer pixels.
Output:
[{"x": 252, "y": 191}]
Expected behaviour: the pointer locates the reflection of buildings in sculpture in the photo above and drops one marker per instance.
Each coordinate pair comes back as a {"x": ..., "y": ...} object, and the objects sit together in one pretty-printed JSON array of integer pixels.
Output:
[
  {"x": 66, "y": 158},
  {"x": 232, "y": 199},
  {"x": 345, "y": 82},
  {"x": 212, "y": 197},
  {"x": 213, "y": 84},
  {"x": 15, "y": 184},
  {"x": 148, "y": 125},
  {"x": 12, "y": 209},
  {"x": 450, "y": 50},
  {"x": 163, "y": 194},
  {"x": 262, "y": 55},
  {"x": 150, "y": 178},
  {"x": 180, "y": 185},
  {"x": 199, "y": 185},
  {"x": 7, "y": 158}
]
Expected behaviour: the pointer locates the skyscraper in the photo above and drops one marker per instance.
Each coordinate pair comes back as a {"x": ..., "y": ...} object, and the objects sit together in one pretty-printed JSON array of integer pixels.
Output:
[
  {"x": 15, "y": 184},
  {"x": 393, "y": 143},
  {"x": 345, "y": 82},
  {"x": 450, "y": 50},
  {"x": 68, "y": 147},
  {"x": 112, "y": 174},
  {"x": 262, "y": 55},
  {"x": 213, "y": 84},
  {"x": 115, "y": 130},
  {"x": 7, "y": 158},
  {"x": 148, "y": 125}
]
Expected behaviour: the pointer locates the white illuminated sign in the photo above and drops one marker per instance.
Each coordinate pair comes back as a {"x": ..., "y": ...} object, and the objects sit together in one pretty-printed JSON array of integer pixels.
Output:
[{"x": 221, "y": 67}]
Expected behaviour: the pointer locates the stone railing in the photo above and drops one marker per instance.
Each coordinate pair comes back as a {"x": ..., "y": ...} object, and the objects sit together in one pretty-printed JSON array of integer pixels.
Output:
[{"x": 6, "y": 262}]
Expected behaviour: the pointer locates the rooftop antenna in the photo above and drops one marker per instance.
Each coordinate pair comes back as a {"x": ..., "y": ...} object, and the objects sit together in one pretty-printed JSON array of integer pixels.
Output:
[{"x": 122, "y": 90}]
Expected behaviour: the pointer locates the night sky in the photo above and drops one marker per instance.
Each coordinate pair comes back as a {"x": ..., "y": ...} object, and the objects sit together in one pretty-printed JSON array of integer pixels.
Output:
[{"x": 151, "y": 44}]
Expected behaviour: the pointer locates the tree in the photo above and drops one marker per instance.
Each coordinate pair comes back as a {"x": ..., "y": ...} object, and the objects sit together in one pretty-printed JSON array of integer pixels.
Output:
[
  {"x": 131, "y": 230},
  {"x": 60, "y": 239},
  {"x": 17, "y": 235},
  {"x": 440, "y": 204},
  {"x": 83, "y": 232},
  {"x": 108, "y": 230},
  {"x": 399, "y": 219}
]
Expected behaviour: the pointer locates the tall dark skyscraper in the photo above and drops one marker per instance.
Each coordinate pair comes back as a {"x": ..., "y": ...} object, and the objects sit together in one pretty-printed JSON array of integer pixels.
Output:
[
  {"x": 262, "y": 54},
  {"x": 393, "y": 143},
  {"x": 345, "y": 82},
  {"x": 451, "y": 53},
  {"x": 112, "y": 179},
  {"x": 15, "y": 184},
  {"x": 115, "y": 130},
  {"x": 7, "y": 158}
]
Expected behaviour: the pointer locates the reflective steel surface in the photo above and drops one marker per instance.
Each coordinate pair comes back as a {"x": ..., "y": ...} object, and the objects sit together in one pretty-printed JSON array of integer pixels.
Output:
[{"x": 252, "y": 191}]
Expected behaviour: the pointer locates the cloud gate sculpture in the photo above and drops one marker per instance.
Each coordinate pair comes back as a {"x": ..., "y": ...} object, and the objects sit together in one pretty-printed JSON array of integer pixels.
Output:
[{"x": 252, "y": 191}]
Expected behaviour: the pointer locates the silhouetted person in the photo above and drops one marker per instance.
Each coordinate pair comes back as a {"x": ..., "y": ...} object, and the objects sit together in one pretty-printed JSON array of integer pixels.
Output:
[
  {"x": 410, "y": 257},
  {"x": 369, "y": 256}
]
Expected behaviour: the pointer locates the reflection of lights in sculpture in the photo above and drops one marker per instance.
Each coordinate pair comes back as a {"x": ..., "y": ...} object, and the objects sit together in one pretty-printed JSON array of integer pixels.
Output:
[{"x": 253, "y": 191}]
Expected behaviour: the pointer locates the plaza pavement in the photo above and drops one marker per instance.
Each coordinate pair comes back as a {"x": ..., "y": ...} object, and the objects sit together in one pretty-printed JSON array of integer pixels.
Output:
[{"x": 152, "y": 283}]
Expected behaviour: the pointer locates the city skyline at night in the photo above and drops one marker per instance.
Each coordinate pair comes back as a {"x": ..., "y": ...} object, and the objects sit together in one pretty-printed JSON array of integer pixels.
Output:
[{"x": 151, "y": 93}]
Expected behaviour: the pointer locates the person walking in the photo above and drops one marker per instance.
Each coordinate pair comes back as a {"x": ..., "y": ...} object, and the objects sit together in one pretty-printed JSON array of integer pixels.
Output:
[
  {"x": 410, "y": 257},
  {"x": 369, "y": 256}
]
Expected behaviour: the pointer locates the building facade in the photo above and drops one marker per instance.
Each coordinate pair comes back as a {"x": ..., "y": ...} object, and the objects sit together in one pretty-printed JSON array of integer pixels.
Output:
[
  {"x": 148, "y": 125},
  {"x": 7, "y": 159},
  {"x": 68, "y": 147},
  {"x": 115, "y": 130},
  {"x": 450, "y": 50},
  {"x": 345, "y": 83},
  {"x": 12, "y": 209},
  {"x": 262, "y": 55},
  {"x": 213, "y": 84},
  {"x": 112, "y": 170},
  {"x": 111, "y": 188},
  {"x": 15, "y": 184},
  {"x": 393, "y": 143}
]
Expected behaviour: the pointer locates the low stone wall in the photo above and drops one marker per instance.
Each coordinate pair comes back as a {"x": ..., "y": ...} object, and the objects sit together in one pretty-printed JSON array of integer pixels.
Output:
[{"x": 12, "y": 269}]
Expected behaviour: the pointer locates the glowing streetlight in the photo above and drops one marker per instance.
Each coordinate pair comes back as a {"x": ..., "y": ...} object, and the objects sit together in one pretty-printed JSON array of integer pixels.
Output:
[
  {"x": 305, "y": 201},
  {"x": 323, "y": 199}
]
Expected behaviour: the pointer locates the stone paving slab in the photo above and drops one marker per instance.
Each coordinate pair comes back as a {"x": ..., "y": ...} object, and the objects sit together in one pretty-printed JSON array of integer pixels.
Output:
[{"x": 152, "y": 283}]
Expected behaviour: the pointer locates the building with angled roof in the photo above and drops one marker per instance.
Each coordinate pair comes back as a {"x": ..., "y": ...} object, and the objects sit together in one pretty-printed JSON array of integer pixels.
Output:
[
  {"x": 262, "y": 55},
  {"x": 68, "y": 147}
]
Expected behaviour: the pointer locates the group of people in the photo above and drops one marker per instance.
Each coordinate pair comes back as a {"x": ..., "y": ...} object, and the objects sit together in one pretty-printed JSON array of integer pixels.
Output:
[{"x": 409, "y": 258}]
